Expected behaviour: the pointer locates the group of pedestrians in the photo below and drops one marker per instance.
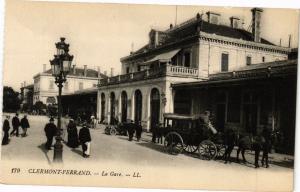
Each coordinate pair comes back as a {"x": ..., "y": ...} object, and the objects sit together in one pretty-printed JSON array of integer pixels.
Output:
[
  {"x": 74, "y": 139},
  {"x": 134, "y": 128},
  {"x": 16, "y": 123}
]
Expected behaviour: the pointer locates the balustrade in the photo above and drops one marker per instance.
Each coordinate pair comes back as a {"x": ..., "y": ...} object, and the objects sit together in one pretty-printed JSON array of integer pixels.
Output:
[{"x": 167, "y": 70}]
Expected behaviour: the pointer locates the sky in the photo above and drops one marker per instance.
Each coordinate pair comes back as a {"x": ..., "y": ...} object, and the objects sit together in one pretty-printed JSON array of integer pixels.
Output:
[{"x": 100, "y": 34}]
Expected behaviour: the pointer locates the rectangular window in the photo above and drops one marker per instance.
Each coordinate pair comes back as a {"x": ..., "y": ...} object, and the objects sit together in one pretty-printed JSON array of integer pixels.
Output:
[
  {"x": 224, "y": 62},
  {"x": 248, "y": 60},
  {"x": 187, "y": 59},
  {"x": 127, "y": 70},
  {"x": 263, "y": 59},
  {"x": 139, "y": 68},
  {"x": 174, "y": 60},
  {"x": 80, "y": 85}
]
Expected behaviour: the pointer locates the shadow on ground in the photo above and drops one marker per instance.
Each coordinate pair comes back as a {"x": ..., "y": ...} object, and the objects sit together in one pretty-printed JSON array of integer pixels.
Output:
[
  {"x": 285, "y": 163},
  {"x": 45, "y": 151},
  {"x": 153, "y": 146},
  {"x": 77, "y": 151}
]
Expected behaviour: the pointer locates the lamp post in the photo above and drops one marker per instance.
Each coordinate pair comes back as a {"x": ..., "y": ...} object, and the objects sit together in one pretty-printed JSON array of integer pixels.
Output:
[{"x": 60, "y": 65}]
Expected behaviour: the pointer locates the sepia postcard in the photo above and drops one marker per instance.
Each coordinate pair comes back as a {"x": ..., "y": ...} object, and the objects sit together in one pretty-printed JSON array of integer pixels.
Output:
[{"x": 149, "y": 96}]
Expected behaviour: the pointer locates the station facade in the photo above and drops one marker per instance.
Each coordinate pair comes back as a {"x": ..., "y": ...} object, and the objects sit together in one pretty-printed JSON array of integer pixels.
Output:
[{"x": 186, "y": 54}]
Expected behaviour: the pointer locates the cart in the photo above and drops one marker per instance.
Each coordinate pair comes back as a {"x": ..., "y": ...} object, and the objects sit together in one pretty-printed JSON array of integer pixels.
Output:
[{"x": 191, "y": 134}]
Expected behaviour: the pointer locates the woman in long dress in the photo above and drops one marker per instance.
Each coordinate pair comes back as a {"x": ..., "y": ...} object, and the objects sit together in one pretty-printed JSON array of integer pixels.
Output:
[{"x": 72, "y": 135}]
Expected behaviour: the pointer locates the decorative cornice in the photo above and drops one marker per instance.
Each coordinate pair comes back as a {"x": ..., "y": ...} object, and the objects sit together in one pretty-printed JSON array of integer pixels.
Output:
[
  {"x": 243, "y": 43},
  {"x": 68, "y": 76}
]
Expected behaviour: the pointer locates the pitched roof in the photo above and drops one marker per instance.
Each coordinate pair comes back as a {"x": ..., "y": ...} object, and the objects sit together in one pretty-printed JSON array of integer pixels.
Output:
[
  {"x": 189, "y": 28},
  {"x": 80, "y": 72}
]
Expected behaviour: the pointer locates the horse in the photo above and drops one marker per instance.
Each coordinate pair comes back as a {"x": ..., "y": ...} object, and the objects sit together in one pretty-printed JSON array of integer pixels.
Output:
[{"x": 255, "y": 143}]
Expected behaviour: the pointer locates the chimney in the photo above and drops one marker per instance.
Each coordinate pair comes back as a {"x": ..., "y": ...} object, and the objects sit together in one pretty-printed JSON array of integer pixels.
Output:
[
  {"x": 44, "y": 67},
  {"x": 99, "y": 71},
  {"x": 256, "y": 17},
  {"x": 24, "y": 83},
  {"x": 235, "y": 22},
  {"x": 85, "y": 70},
  {"x": 132, "y": 48},
  {"x": 171, "y": 26},
  {"x": 153, "y": 38},
  {"x": 111, "y": 71},
  {"x": 73, "y": 69},
  {"x": 212, "y": 17}
]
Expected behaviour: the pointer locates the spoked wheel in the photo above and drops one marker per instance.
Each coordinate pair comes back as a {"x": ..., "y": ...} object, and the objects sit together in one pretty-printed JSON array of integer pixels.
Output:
[
  {"x": 190, "y": 148},
  {"x": 112, "y": 131},
  {"x": 173, "y": 143},
  {"x": 207, "y": 150},
  {"x": 221, "y": 150}
]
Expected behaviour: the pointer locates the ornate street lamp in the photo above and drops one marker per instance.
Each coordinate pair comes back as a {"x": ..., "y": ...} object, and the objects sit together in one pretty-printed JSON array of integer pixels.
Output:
[{"x": 60, "y": 65}]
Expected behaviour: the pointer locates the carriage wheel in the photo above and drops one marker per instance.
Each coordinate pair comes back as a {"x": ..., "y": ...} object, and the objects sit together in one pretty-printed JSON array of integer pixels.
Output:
[
  {"x": 173, "y": 143},
  {"x": 107, "y": 130},
  {"x": 207, "y": 150},
  {"x": 221, "y": 150},
  {"x": 190, "y": 148},
  {"x": 113, "y": 131}
]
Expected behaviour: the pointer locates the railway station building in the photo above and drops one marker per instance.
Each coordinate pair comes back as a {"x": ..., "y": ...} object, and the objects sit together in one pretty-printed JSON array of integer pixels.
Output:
[{"x": 178, "y": 71}]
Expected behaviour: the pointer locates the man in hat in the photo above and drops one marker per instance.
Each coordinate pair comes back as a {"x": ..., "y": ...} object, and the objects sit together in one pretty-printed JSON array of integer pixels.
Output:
[
  {"x": 15, "y": 124},
  {"x": 266, "y": 146},
  {"x": 85, "y": 140},
  {"x": 25, "y": 125},
  {"x": 138, "y": 130},
  {"x": 50, "y": 130},
  {"x": 5, "y": 129},
  {"x": 130, "y": 128}
]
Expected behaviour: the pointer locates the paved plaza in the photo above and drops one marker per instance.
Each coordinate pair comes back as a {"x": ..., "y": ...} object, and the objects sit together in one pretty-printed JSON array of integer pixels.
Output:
[{"x": 117, "y": 148}]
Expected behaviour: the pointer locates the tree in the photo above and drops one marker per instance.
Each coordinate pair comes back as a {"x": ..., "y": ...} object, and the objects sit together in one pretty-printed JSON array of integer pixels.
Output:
[{"x": 11, "y": 100}]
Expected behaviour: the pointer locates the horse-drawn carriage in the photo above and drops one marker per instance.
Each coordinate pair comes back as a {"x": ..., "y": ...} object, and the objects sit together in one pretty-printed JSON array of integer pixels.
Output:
[{"x": 190, "y": 134}]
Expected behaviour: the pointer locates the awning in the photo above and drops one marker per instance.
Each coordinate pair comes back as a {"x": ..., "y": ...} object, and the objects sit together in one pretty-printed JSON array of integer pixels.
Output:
[{"x": 164, "y": 57}]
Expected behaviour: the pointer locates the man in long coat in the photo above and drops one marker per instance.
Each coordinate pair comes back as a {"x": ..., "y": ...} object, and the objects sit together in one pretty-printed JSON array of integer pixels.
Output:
[
  {"x": 138, "y": 130},
  {"x": 72, "y": 134},
  {"x": 85, "y": 140},
  {"x": 50, "y": 130},
  {"x": 130, "y": 128},
  {"x": 266, "y": 145},
  {"x": 5, "y": 129},
  {"x": 25, "y": 125},
  {"x": 15, "y": 124}
]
